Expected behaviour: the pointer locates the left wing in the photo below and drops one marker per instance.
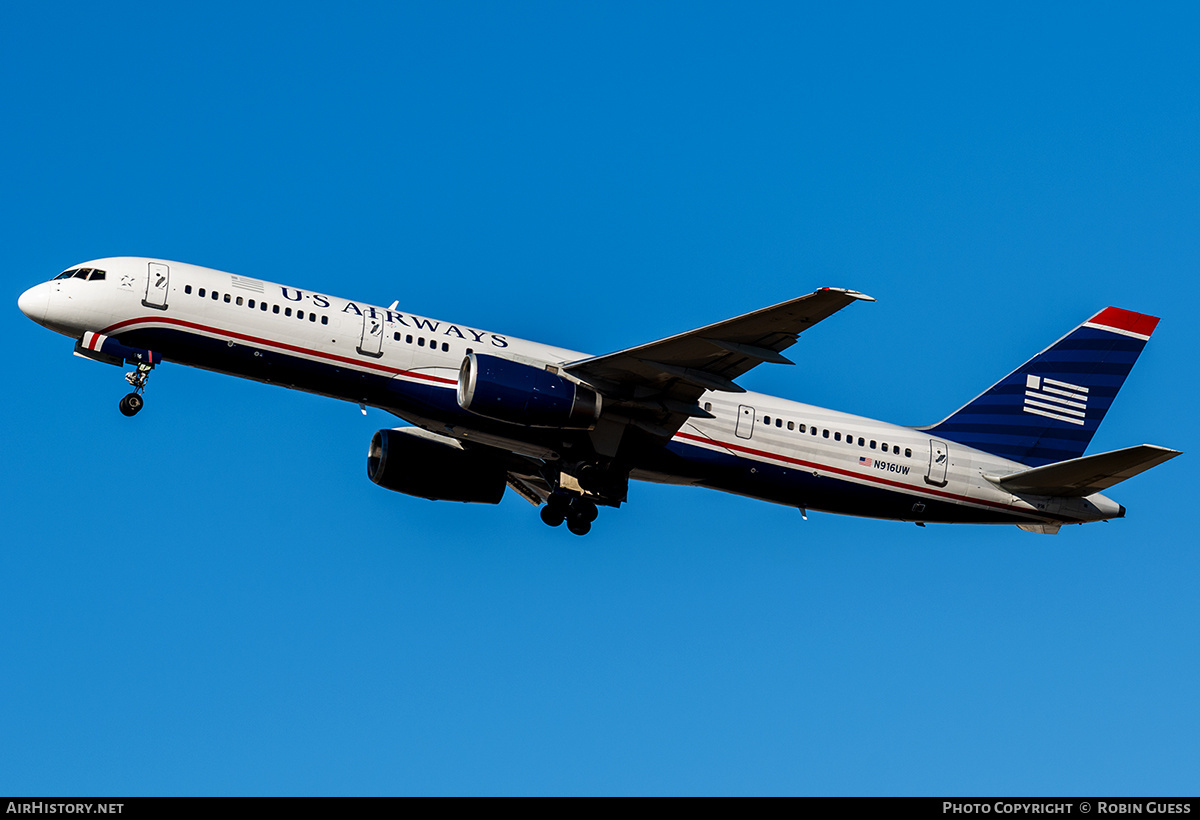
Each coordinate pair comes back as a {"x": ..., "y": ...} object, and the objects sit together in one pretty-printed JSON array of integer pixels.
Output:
[{"x": 668, "y": 376}]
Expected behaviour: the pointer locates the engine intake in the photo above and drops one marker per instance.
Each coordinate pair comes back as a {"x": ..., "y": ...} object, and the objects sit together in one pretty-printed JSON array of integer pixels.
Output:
[
  {"x": 523, "y": 394},
  {"x": 416, "y": 462}
]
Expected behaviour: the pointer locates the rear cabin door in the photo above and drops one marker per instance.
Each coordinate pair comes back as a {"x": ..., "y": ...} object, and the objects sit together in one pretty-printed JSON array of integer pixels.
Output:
[
  {"x": 372, "y": 335},
  {"x": 745, "y": 421},
  {"x": 156, "y": 286},
  {"x": 939, "y": 460}
]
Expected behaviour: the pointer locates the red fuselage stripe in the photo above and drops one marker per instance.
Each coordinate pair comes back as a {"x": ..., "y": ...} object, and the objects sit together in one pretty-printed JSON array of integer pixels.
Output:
[
  {"x": 873, "y": 479},
  {"x": 166, "y": 320}
]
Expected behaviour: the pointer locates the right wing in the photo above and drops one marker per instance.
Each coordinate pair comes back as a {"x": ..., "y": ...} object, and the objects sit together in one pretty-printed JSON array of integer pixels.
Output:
[{"x": 668, "y": 376}]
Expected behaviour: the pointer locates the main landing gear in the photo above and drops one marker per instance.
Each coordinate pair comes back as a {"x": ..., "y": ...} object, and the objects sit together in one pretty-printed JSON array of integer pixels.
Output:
[
  {"x": 576, "y": 487},
  {"x": 577, "y": 511},
  {"x": 133, "y": 402}
]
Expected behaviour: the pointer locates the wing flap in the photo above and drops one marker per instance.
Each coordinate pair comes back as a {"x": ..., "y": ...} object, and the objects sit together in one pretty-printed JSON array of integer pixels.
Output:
[{"x": 1079, "y": 477}]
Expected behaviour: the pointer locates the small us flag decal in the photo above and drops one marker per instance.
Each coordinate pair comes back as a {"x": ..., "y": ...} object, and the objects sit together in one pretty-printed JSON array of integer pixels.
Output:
[{"x": 1056, "y": 400}]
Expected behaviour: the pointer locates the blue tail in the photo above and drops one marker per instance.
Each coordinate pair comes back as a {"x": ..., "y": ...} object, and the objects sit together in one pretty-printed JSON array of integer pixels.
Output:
[{"x": 1048, "y": 409}]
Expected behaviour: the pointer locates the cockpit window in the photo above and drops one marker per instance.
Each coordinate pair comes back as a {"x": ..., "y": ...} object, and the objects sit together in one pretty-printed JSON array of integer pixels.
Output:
[{"x": 88, "y": 274}]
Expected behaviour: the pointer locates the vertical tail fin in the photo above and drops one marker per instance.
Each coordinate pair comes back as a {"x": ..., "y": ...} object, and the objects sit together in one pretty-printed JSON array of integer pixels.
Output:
[{"x": 1048, "y": 409}]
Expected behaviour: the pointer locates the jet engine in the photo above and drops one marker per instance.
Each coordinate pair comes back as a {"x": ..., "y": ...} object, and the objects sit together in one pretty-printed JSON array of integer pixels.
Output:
[
  {"x": 416, "y": 462},
  {"x": 523, "y": 394}
]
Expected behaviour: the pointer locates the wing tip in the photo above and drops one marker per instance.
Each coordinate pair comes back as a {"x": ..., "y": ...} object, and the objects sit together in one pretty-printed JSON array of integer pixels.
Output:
[{"x": 853, "y": 294}]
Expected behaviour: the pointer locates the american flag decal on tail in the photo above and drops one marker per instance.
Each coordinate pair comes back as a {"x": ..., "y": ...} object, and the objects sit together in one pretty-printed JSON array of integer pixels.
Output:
[{"x": 1057, "y": 400}]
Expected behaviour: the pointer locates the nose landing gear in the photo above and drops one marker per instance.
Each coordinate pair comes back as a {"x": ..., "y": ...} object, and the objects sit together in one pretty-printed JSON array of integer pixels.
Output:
[{"x": 133, "y": 402}]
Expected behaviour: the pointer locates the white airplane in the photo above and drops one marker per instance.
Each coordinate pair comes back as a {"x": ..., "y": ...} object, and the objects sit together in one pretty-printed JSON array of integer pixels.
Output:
[{"x": 567, "y": 431}]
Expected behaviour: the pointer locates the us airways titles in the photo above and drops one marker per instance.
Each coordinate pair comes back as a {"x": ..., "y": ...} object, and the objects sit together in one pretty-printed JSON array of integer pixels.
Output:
[{"x": 396, "y": 317}]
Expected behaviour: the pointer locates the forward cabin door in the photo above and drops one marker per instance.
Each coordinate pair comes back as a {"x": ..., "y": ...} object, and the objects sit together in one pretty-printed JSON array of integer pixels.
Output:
[
  {"x": 939, "y": 460},
  {"x": 745, "y": 421},
  {"x": 372, "y": 335},
  {"x": 156, "y": 286}
]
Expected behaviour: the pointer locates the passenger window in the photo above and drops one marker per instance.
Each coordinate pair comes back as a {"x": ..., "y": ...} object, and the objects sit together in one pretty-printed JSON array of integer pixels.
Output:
[
  {"x": 300, "y": 314},
  {"x": 791, "y": 425},
  {"x": 860, "y": 441},
  {"x": 896, "y": 449},
  {"x": 872, "y": 445},
  {"x": 445, "y": 347},
  {"x": 421, "y": 342},
  {"x": 802, "y": 428},
  {"x": 884, "y": 447},
  {"x": 825, "y": 433},
  {"x": 250, "y": 304},
  {"x": 767, "y": 420},
  {"x": 263, "y": 306},
  {"x": 396, "y": 336},
  {"x": 814, "y": 431},
  {"x": 408, "y": 339},
  {"x": 312, "y": 317},
  {"x": 239, "y": 301},
  {"x": 287, "y": 311},
  {"x": 837, "y": 436},
  {"x": 187, "y": 288},
  {"x": 226, "y": 298},
  {"x": 324, "y": 320},
  {"x": 778, "y": 422},
  {"x": 201, "y": 292},
  {"x": 275, "y": 308},
  {"x": 707, "y": 404},
  {"x": 907, "y": 452},
  {"x": 215, "y": 296}
]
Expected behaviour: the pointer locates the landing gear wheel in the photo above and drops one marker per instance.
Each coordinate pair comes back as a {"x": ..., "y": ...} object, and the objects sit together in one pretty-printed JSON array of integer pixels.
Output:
[
  {"x": 579, "y": 526},
  {"x": 552, "y": 515},
  {"x": 131, "y": 404}
]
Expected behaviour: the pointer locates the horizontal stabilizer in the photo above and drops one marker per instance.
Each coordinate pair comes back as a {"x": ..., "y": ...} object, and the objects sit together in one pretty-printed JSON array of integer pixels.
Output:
[{"x": 1079, "y": 477}]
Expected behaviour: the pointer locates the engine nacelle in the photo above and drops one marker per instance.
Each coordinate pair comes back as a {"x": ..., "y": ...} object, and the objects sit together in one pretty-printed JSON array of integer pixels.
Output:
[
  {"x": 523, "y": 394},
  {"x": 413, "y": 461}
]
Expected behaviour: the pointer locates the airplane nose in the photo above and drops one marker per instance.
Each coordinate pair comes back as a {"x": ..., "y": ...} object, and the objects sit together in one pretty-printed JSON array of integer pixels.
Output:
[{"x": 33, "y": 302}]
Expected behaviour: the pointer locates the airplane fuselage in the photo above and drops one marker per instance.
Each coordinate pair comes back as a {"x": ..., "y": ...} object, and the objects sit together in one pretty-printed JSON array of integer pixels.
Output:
[{"x": 756, "y": 445}]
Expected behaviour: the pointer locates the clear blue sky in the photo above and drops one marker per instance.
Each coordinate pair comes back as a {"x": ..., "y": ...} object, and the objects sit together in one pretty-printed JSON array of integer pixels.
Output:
[{"x": 212, "y": 598}]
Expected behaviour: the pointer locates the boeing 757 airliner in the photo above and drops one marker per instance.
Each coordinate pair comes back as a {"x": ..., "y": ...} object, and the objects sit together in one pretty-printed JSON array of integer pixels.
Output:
[{"x": 567, "y": 431}]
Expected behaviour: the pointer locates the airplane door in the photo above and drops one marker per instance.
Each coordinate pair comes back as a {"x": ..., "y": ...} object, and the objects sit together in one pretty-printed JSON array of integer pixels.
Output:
[
  {"x": 372, "y": 335},
  {"x": 939, "y": 460},
  {"x": 156, "y": 286},
  {"x": 745, "y": 421}
]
